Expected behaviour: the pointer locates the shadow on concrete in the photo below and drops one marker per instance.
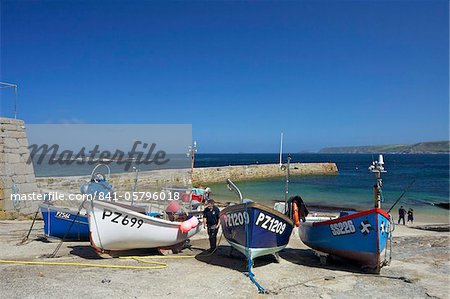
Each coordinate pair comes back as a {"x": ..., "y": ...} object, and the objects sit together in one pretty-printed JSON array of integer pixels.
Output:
[
  {"x": 225, "y": 257},
  {"x": 306, "y": 257},
  {"x": 85, "y": 252}
]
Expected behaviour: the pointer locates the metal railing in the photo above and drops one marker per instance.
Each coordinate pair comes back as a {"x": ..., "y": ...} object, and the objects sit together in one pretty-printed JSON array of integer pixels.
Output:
[{"x": 10, "y": 85}]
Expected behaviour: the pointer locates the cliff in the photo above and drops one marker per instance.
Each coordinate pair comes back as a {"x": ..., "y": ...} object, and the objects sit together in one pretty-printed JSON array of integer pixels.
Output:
[{"x": 435, "y": 147}]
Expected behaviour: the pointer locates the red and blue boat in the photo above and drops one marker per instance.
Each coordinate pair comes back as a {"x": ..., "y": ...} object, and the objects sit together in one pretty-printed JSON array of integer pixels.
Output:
[{"x": 362, "y": 237}]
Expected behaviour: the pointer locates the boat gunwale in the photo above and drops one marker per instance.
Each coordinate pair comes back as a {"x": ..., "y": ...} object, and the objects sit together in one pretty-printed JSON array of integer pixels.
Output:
[
  {"x": 258, "y": 206},
  {"x": 352, "y": 216},
  {"x": 69, "y": 210},
  {"x": 137, "y": 214}
]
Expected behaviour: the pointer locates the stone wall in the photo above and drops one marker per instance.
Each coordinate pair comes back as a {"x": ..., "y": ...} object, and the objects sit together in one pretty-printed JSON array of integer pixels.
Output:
[
  {"x": 154, "y": 180},
  {"x": 14, "y": 169},
  {"x": 238, "y": 173},
  {"x": 122, "y": 182}
]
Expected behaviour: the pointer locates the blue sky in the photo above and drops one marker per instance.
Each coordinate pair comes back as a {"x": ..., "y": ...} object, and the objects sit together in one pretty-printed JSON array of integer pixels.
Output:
[{"x": 325, "y": 73}]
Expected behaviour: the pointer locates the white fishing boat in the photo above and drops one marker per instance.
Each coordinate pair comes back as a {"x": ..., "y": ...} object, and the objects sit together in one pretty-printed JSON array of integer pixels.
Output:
[{"x": 117, "y": 227}]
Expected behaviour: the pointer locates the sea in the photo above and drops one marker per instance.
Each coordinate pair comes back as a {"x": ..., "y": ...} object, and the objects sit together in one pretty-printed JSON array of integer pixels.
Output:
[{"x": 426, "y": 175}]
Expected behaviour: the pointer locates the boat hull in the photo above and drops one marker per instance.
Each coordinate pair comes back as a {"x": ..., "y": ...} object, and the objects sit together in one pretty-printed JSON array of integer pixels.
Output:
[
  {"x": 57, "y": 221},
  {"x": 116, "y": 228},
  {"x": 268, "y": 230},
  {"x": 361, "y": 237}
]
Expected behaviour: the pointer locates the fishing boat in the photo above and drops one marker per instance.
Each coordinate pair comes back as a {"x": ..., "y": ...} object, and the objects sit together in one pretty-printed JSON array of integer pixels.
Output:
[
  {"x": 362, "y": 236},
  {"x": 254, "y": 229},
  {"x": 60, "y": 222},
  {"x": 116, "y": 227},
  {"x": 69, "y": 223}
]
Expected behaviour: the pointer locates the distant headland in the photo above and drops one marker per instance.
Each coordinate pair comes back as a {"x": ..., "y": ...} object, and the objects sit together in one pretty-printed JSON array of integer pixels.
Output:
[{"x": 433, "y": 147}]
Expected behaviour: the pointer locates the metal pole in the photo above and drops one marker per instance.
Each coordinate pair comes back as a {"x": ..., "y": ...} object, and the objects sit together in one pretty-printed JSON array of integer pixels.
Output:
[
  {"x": 194, "y": 150},
  {"x": 377, "y": 168},
  {"x": 15, "y": 102},
  {"x": 9, "y": 85},
  {"x": 136, "y": 171},
  {"x": 31, "y": 227},
  {"x": 286, "y": 193},
  {"x": 400, "y": 197},
  {"x": 234, "y": 188},
  {"x": 377, "y": 192}
]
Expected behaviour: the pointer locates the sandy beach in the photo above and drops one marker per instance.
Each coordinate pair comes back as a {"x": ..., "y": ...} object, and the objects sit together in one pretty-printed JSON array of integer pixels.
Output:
[{"x": 420, "y": 268}]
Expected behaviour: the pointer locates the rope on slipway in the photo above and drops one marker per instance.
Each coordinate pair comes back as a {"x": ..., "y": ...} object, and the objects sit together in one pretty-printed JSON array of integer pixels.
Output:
[{"x": 141, "y": 259}]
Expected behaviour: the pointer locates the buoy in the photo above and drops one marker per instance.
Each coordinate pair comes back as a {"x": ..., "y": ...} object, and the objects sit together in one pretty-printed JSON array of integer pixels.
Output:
[
  {"x": 295, "y": 214},
  {"x": 194, "y": 222},
  {"x": 186, "y": 226}
]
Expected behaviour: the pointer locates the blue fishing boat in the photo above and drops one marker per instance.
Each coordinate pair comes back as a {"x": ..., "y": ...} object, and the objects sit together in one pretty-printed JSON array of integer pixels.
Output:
[
  {"x": 65, "y": 223},
  {"x": 254, "y": 229},
  {"x": 362, "y": 236}
]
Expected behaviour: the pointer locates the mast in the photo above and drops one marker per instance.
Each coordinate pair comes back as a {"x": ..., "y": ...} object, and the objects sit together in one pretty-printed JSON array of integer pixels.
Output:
[
  {"x": 281, "y": 149},
  {"x": 377, "y": 168}
]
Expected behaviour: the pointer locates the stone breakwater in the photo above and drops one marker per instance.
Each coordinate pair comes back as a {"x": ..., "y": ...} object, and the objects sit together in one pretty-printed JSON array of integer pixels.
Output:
[
  {"x": 122, "y": 182},
  {"x": 208, "y": 175},
  {"x": 156, "y": 179}
]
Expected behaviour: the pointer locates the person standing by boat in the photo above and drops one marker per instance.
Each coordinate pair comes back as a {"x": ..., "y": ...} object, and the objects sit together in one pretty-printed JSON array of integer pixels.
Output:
[
  {"x": 401, "y": 215},
  {"x": 211, "y": 220},
  {"x": 410, "y": 216}
]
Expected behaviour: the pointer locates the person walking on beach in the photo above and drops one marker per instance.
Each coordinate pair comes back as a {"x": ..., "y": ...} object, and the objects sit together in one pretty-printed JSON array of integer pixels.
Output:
[
  {"x": 401, "y": 215},
  {"x": 211, "y": 220},
  {"x": 410, "y": 216}
]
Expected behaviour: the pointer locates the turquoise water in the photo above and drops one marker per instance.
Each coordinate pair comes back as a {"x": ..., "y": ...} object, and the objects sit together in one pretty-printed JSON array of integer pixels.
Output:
[{"x": 352, "y": 187}]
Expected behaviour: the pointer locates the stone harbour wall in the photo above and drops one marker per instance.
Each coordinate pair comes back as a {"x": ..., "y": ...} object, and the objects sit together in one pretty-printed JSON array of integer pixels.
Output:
[
  {"x": 122, "y": 182},
  {"x": 15, "y": 174},
  {"x": 154, "y": 180},
  {"x": 208, "y": 175}
]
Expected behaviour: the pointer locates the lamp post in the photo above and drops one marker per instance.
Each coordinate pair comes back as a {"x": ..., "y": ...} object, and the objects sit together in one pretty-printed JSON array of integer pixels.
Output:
[
  {"x": 286, "y": 190},
  {"x": 191, "y": 153}
]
